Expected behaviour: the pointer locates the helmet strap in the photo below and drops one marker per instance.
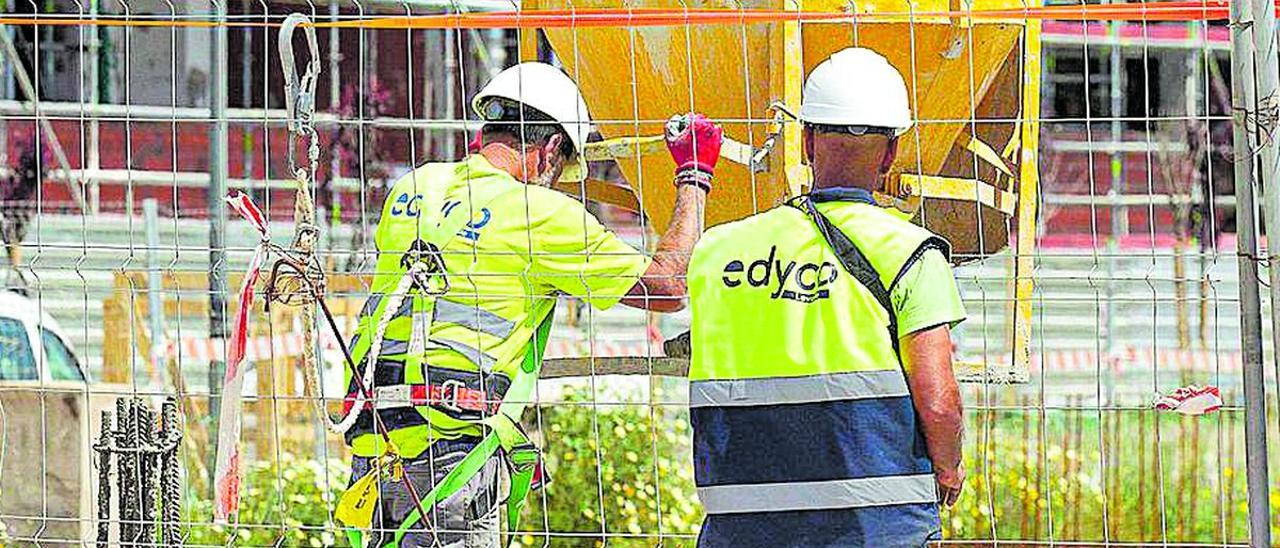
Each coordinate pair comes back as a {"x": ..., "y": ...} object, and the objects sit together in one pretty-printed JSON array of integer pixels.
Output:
[{"x": 890, "y": 154}]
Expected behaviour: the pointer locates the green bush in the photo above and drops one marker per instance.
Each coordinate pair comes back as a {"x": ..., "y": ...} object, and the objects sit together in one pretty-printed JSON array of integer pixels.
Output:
[
  {"x": 285, "y": 505},
  {"x": 635, "y": 487},
  {"x": 623, "y": 473},
  {"x": 1134, "y": 476}
]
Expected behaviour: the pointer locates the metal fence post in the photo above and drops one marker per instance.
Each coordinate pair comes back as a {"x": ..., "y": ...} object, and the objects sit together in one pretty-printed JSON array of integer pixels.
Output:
[
  {"x": 1242, "y": 102},
  {"x": 217, "y": 218},
  {"x": 155, "y": 290}
]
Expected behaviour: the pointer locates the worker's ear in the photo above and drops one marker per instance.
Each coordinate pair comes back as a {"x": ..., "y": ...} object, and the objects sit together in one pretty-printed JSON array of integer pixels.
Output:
[
  {"x": 890, "y": 154},
  {"x": 551, "y": 149}
]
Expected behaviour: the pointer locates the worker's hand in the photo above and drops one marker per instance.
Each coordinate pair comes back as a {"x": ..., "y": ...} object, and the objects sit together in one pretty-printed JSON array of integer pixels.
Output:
[
  {"x": 950, "y": 483},
  {"x": 694, "y": 142}
]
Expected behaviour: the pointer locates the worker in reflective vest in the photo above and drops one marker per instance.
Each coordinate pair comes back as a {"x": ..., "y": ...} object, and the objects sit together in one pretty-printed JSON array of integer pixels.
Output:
[
  {"x": 824, "y": 409},
  {"x": 471, "y": 258}
]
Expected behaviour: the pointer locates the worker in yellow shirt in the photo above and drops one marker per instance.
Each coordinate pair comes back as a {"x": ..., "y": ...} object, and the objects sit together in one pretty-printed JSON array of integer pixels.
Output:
[
  {"x": 471, "y": 258},
  {"x": 824, "y": 409}
]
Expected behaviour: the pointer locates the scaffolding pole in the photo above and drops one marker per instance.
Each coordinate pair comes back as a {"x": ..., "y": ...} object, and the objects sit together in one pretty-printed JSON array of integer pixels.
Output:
[{"x": 1242, "y": 102}]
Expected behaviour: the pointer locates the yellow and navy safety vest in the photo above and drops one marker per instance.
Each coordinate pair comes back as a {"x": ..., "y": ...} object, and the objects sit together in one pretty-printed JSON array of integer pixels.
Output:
[{"x": 804, "y": 430}]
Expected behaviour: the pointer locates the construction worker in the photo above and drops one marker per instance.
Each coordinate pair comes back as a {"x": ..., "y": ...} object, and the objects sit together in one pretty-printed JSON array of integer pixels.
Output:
[
  {"x": 471, "y": 258},
  {"x": 824, "y": 409}
]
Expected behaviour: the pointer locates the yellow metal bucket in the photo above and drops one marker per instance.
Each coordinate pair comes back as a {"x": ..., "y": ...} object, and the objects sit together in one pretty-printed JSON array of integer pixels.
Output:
[{"x": 973, "y": 85}]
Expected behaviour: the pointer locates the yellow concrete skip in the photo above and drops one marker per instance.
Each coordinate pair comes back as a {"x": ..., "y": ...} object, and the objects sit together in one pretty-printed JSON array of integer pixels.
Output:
[
  {"x": 957, "y": 188},
  {"x": 967, "y": 166},
  {"x": 631, "y": 147},
  {"x": 965, "y": 76}
]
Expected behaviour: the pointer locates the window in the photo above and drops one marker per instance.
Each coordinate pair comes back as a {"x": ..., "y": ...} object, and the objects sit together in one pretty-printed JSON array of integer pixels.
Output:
[
  {"x": 1142, "y": 92},
  {"x": 62, "y": 363},
  {"x": 17, "y": 362},
  {"x": 1075, "y": 97}
]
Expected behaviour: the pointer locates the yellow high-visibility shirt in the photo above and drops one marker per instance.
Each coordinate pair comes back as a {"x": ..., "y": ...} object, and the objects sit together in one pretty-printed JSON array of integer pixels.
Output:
[{"x": 505, "y": 269}]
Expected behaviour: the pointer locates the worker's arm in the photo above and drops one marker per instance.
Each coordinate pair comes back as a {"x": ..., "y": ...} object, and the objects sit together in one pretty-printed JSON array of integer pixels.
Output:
[
  {"x": 662, "y": 286},
  {"x": 928, "y": 304},
  {"x": 694, "y": 143},
  {"x": 927, "y": 356}
]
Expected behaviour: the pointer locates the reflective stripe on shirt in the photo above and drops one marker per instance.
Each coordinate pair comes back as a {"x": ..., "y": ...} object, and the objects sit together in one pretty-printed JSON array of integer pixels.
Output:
[
  {"x": 791, "y": 390},
  {"x": 473, "y": 318},
  {"x": 818, "y": 495},
  {"x": 475, "y": 355}
]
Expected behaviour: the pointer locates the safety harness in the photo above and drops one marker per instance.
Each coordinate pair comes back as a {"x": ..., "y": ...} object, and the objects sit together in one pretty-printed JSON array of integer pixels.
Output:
[
  {"x": 297, "y": 278},
  {"x": 425, "y": 278}
]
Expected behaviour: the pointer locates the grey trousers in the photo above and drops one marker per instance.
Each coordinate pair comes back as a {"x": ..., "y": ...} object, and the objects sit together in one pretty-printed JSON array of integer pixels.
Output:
[{"x": 468, "y": 519}]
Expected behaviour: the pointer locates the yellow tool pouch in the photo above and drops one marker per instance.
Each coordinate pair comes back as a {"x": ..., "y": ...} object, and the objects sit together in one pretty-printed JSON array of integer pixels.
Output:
[{"x": 356, "y": 506}]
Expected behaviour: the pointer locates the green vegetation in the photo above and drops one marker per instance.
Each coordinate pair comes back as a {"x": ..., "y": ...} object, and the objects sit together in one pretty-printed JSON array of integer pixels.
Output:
[
  {"x": 286, "y": 505},
  {"x": 634, "y": 486},
  {"x": 623, "y": 472},
  {"x": 1075, "y": 475}
]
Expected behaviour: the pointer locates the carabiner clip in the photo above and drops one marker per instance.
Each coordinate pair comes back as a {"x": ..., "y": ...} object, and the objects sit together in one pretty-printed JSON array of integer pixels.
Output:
[{"x": 424, "y": 264}]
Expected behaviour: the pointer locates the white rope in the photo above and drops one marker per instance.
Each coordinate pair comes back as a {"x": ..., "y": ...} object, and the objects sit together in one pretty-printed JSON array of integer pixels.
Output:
[
  {"x": 395, "y": 301},
  {"x": 299, "y": 107}
]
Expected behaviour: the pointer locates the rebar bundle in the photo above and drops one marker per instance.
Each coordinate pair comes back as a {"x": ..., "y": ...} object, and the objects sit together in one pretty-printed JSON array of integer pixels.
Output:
[{"x": 144, "y": 456}]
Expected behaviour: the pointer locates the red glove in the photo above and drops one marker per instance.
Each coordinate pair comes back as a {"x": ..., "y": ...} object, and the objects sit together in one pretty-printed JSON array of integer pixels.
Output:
[{"x": 694, "y": 142}]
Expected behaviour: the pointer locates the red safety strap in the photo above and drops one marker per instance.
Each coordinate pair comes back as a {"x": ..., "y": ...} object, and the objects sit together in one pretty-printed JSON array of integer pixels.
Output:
[{"x": 448, "y": 396}]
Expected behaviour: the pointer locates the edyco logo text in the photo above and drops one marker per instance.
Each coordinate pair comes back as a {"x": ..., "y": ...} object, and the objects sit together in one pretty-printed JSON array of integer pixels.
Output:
[{"x": 805, "y": 282}]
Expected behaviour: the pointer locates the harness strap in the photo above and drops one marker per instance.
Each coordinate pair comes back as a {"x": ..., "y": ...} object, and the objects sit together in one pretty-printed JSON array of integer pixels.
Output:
[
  {"x": 439, "y": 235},
  {"x": 451, "y": 394},
  {"x": 504, "y": 434},
  {"x": 856, "y": 263}
]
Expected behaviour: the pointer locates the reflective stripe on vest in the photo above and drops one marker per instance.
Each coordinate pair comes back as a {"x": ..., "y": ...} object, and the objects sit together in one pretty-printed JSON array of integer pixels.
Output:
[
  {"x": 394, "y": 347},
  {"x": 788, "y": 390},
  {"x": 473, "y": 318},
  {"x": 465, "y": 315},
  {"x": 818, "y": 495},
  {"x": 470, "y": 317}
]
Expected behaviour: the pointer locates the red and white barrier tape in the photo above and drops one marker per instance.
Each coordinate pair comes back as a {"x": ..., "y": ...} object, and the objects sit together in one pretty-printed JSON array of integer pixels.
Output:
[{"x": 227, "y": 475}]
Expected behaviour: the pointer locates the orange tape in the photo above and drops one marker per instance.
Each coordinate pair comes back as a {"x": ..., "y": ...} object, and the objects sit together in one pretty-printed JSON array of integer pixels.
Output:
[{"x": 1210, "y": 10}]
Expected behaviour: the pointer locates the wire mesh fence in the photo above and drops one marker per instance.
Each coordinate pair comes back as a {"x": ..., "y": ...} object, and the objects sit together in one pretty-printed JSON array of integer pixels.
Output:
[{"x": 1080, "y": 165}]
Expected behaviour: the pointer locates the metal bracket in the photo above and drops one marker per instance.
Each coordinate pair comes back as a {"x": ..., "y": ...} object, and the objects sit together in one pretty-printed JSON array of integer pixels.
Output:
[
  {"x": 633, "y": 147},
  {"x": 911, "y": 187}
]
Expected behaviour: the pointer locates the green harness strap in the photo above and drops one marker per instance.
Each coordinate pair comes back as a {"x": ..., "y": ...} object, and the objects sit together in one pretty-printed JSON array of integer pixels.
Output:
[{"x": 505, "y": 434}]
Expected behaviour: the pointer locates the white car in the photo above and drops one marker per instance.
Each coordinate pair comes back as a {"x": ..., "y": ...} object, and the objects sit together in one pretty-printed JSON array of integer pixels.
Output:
[
  {"x": 45, "y": 431},
  {"x": 27, "y": 332}
]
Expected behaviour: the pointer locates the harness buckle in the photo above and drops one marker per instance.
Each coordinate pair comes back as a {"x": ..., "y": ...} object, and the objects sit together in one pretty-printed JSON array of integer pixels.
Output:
[{"x": 449, "y": 390}]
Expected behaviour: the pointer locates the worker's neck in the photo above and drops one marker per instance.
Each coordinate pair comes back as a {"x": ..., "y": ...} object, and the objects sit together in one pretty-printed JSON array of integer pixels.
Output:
[
  {"x": 868, "y": 180},
  {"x": 522, "y": 166}
]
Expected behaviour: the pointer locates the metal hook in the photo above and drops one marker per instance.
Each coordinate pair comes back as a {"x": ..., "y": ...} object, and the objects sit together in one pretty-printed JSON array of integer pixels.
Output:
[{"x": 299, "y": 89}]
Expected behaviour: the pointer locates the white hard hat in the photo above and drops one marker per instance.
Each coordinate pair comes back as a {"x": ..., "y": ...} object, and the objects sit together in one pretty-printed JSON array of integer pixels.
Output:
[
  {"x": 856, "y": 87},
  {"x": 546, "y": 89}
]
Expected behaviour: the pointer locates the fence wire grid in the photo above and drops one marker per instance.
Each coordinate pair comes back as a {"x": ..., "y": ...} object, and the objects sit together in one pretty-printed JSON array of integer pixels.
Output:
[{"x": 1094, "y": 223}]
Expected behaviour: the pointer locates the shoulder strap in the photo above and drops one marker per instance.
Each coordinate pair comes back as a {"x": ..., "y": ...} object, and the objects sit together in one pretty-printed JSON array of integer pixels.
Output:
[
  {"x": 850, "y": 257},
  {"x": 856, "y": 263}
]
